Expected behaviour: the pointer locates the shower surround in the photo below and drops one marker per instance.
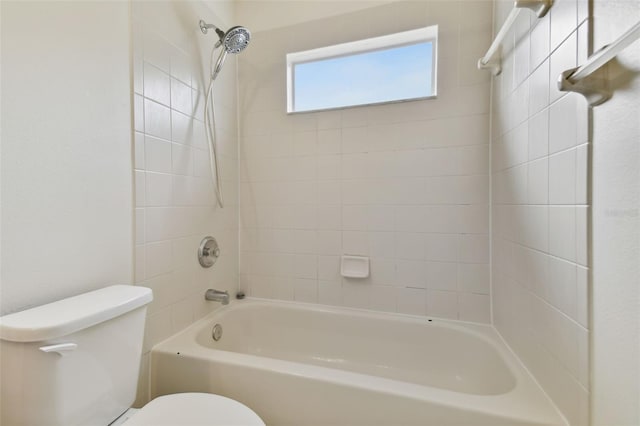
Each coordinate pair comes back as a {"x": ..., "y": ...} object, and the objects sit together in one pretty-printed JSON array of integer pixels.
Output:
[{"x": 406, "y": 184}]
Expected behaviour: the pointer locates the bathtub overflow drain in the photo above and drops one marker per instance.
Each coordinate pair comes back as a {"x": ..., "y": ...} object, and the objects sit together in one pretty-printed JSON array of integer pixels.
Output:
[{"x": 217, "y": 332}]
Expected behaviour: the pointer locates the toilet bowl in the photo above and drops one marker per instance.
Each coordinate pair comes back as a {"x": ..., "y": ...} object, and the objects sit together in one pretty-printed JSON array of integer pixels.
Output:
[
  {"x": 76, "y": 362},
  {"x": 191, "y": 409}
]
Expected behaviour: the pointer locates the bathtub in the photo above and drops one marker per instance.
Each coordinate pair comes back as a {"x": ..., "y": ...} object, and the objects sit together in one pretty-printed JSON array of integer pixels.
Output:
[{"x": 300, "y": 364}]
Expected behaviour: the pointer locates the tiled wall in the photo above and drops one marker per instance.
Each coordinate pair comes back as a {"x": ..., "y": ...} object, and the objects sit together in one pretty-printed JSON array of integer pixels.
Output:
[
  {"x": 174, "y": 195},
  {"x": 406, "y": 184},
  {"x": 540, "y": 205}
]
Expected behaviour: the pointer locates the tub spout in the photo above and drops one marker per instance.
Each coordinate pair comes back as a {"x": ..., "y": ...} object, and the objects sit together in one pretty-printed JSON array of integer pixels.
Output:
[{"x": 217, "y": 296}]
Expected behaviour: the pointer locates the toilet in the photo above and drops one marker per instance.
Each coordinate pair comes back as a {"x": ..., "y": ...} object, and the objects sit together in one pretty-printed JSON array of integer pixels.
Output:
[{"x": 75, "y": 362}]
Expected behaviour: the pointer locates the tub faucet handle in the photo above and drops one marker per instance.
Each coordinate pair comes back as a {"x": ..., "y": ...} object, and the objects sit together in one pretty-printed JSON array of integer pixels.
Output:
[{"x": 217, "y": 296}]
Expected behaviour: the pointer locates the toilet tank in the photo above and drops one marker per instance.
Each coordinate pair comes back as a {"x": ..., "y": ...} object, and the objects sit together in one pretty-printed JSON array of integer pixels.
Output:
[{"x": 75, "y": 361}]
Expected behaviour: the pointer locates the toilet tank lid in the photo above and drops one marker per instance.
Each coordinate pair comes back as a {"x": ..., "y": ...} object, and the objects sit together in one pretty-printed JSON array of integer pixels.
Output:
[{"x": 75, "y": 313}]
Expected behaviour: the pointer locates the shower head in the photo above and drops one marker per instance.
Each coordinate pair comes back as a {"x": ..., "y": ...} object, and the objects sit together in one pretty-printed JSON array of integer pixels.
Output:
[{"x": 236, "y": 39}]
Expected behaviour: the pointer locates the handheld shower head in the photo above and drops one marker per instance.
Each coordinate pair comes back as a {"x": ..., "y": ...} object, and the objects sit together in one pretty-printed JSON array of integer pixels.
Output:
[{"x": 236, "y": 39}]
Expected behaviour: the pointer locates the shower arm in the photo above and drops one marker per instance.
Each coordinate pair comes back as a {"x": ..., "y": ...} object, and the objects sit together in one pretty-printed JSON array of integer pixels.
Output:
[{"x": 204, "y": 27}]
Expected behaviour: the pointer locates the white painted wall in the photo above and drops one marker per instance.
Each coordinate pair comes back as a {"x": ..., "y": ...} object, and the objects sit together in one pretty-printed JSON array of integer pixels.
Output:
[
  {"x": 405, "y": 184},
  {"x": 616, "y": 226},
  {"x": 67, "y": 195},
  {"x": 261, "y": 15}
]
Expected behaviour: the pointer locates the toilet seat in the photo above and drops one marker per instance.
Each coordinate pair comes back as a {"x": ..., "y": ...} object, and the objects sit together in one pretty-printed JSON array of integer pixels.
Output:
[{"x": 194, "y": 409}]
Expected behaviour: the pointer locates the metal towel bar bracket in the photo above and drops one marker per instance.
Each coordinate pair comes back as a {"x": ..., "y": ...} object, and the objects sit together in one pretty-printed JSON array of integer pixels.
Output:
[
  {"x": 539, "y": 7},
  {"x": 595, "y": 94},
  {"x": 576, "y": 79}
]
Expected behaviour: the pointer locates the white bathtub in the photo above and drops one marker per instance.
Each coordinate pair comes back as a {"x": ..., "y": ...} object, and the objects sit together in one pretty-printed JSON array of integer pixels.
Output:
[{"x": 299, "y": 364}]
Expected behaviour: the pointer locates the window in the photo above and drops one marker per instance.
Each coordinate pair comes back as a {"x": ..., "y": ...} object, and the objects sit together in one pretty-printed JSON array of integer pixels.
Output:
[{"x": 392, "y": 68}]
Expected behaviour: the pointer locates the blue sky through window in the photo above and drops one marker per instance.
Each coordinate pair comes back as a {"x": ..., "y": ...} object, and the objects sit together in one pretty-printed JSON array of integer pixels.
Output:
[{"x": 397, "y": 73}]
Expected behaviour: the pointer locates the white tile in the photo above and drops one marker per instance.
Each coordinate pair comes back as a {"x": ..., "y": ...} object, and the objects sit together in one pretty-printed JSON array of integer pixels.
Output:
[
  {"x": 583, "y": 296},
  {"x": 442, "y": 304},
  {"x": 412, "y": 301},
  {"x": 138, "y": 113},
  {"x": 329, "y": 167},
  {"x": 563, "y": 124},
  {"x": 139, "y": 226},
  {"x": 329, "y": 242},
  {"x": 355, "y": 218},
  {"x": 412, "y": 218},
  {"x": 305, "y": 143},
  {"x": 157, "y": 85},
  {"x": 329, "y": 141},
  {"x": 329, "y": 268},
  {"x": 474, "y": 307},
  {"x": 538, "y": 181},
  {"x": 355, "y": 243},
  {"x": 582, "y": 174},
  {"x": 562, "y": 286},
  {"x": 441, "y": 247},
  {"x": 384, "y": 298},
  {"x": 330, "y": 217},
  {"x": 442, "y": 276},
  {"x": 156, "y": 51},
  {"x": 182, "y": 159},
  {"x": 539, "y": 88},
  {"x": 157, "y": 155},
  {"x": 562, "y": 232},
  {"x": 411, "y": 273},
  {"x": 539, "y": 42},
  {"x": 180, "y": 66},
  {"x": 564, "y": 16},
  {"x": 157, "y": 120},
  {"x": 473, "y": 248},
  {"x": 330, "y": 292},
  {"x": 305, "y": 266},
  {"x": 474, "y": 278},
  {"x": 582, "y": 235},
  {"x": 382, "y": 244},
  {"x": 381, "y": 218},
  {"x": 159, "y": 224},
  {"x": 305, "y": 290},
  {"x": 158, "y": 258},
  {"x": 139, "y": 151},
  {"x": 181, "y": 97},
  {"x": 159, "y": 189},
  {"x": 354, "y": 166},
  {"x": 141, "y": 190},
  {"x": 356, "y": 294},
  {"x": 433, "y": 218},
  {"x": 139, "y": 263},
  {"x": 383, "y": 271},
  {"x": 539, "y": 135},
  {"x": 562, "y": 59},
  {"x": 329, "y": 192},
  {"x": 329, "y": 120},
  {"x": 562, "y": 178},
  {"x": 410, "y": 245}
]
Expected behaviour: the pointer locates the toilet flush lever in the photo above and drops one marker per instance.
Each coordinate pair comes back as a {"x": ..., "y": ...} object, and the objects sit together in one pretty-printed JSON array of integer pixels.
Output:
[{"x": 61, "y": 349}]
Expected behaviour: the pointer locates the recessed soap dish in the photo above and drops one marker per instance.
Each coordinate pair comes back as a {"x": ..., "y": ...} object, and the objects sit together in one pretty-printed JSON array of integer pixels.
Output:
[{"x": 354, "y": 267}]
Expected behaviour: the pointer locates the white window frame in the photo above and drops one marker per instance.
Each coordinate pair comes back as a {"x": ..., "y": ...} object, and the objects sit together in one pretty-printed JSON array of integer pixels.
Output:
[{"x": 420, "y": 35}]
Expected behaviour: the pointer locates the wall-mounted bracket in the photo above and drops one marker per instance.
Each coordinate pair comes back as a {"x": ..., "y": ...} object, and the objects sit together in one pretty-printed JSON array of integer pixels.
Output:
[
  {"x": 594, "y": 93},
  {"x": 539, "y": 7},
  {"x": 493, "y": 66}
]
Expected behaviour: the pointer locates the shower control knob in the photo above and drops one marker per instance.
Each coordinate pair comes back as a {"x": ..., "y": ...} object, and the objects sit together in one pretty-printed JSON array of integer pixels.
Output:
[{"x": 208, "y": 252}]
